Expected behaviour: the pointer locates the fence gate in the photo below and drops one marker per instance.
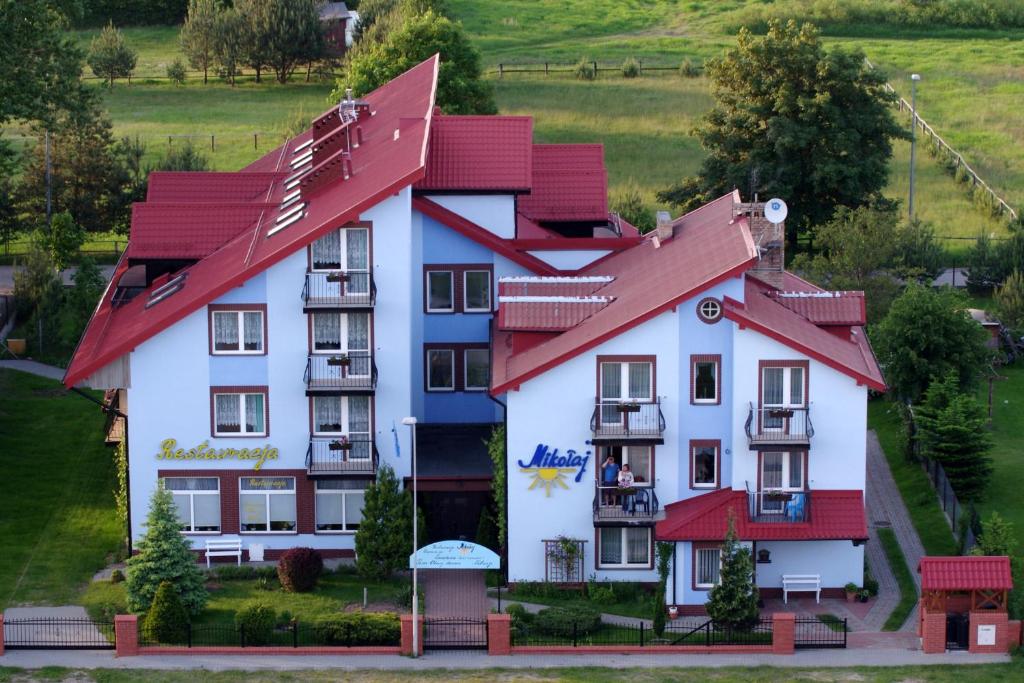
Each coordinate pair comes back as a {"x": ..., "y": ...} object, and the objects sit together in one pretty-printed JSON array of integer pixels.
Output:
[
  {"x": 58, "y": 633},
  {"x": 811, "y": 632},
  {"x": 454, "y": 633}
]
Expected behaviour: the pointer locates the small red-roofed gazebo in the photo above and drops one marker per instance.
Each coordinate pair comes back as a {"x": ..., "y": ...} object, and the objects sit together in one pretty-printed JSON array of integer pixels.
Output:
[{"x": 963, "y": 604}]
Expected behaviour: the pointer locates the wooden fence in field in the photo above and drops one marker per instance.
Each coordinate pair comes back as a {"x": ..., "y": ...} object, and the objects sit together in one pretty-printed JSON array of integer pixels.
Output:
[{"x": 548, "y": 68}]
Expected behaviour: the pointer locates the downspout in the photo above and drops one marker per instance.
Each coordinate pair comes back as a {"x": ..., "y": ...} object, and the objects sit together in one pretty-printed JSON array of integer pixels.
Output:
[
  {"x": 127, "y": 460},
  {"x": 675, "y": 547}
]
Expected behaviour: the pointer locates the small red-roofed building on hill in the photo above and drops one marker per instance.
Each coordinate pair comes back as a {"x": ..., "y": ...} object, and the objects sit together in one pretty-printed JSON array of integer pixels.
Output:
[{"x": 267, "y": 331}]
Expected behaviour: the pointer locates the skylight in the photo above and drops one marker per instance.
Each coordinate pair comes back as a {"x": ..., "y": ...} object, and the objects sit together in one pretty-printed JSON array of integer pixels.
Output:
[{"x": 167, "y": 289}]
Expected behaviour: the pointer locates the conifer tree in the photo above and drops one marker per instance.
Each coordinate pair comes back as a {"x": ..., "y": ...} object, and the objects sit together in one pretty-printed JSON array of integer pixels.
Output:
[
  {"x": 732, "y": 602},
  {"x": 109, "y": 55},
  {"x": 1010, "y": 302},
  {"x": 384, "y": 538},
  {"x": 229, "y": 43},
  {"x": 997, "y": 537},
  {"x": 164, "y": 555},
  {"x": 199, "y": 35}
]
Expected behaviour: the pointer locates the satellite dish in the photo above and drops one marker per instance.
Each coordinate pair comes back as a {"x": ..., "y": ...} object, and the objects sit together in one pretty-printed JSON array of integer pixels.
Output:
[{"x": 775, "y": 210}]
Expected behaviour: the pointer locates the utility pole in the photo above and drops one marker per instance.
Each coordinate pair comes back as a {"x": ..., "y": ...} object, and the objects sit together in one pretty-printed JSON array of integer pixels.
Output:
[
  {"x": 49, "y": 180},
  {"x": 914, "y": 78}
]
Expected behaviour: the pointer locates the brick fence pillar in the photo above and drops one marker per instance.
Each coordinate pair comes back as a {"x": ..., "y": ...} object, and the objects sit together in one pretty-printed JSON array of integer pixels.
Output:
[
  {"x": 783, "y": 633},
  {"x": 933, "y": 632},
  {"x": 406, "y": 646},
  {"x": 1000, "y": 620},
  {"x": 499, "y": 634},
  {"x": 1, "y": 634},
  {"x": 126, "y": 635},
  {"x": 1013, "y": 639}
]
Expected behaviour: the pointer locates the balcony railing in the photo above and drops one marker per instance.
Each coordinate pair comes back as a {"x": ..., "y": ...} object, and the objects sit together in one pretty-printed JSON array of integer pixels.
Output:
[
  {"x": 779, "y": 507},
  {"x": 352, "y": 372},
  {"x": 779, "y": 426},
  {"x": 611, "y": 503},
  {"x": 627, "y": 421},
  {"x": 339, "y": 289},
  {"x": 341, "y": 455}
]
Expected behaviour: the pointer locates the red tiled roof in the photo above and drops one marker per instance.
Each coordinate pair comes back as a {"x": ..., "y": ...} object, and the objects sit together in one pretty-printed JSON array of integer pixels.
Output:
[
  {"x": 569, "y": 184},
  {"x": 547, "y": 316},
  {"x": 825, "y": 308},
  {"x": 391, "y": 157},
  {"x": 550, "y": 286},
  {"x": 479, "y": 153},
  {"x": 965, "y": 573},
  {"x": 188, "y": 231},
  {"x": 206, "y": 187},
  {"x": 708, "y": 247},
  {"x": 833, "y": 515}
]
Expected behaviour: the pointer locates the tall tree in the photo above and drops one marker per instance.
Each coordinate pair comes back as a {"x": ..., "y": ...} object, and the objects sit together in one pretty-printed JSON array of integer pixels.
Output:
[
  {"x": 732, "y": 602},
  {"x": 255, "y": 27},
  {"x": 460, "y": 88},
  {"x": 384, "y": 538},
  {"x": 229, "y": 44},
  {"x": 794, "y": 121},
  {"x": 293, "y": 35},
  {"x": 1009, "y": 300},
  {"x": 110, "y": 57},
  {"x": 80, "y": 300},
  {"x": 928, "y": 333},
  {"x": 199, "y": 35}
]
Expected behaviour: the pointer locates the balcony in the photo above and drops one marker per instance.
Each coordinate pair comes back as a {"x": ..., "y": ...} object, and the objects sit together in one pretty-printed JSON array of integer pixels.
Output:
[
  {"x": 778, "y": 427},
  {"x": 779, "y": 507},
  {"x": 613, "y": 507},
  {"x": 341, "y": 456},
  {"x": 617, "y": 422},
  {"x": 338, "y": 289},
  {"x": 342, "y": 373}
]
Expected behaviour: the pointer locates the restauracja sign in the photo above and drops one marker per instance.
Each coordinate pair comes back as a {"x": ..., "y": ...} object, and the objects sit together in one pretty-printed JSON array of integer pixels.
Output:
[
  {"x": 548, "y": 469},
  {"x": 204, "y": 452}
]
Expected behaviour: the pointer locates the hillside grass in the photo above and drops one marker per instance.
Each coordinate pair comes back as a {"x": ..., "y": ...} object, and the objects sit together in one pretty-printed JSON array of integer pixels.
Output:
[{"x": 1004, "y": 490}]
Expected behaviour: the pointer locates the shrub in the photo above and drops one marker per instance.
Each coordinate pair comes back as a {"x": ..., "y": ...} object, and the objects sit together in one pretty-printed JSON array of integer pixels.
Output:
[
  {"x": 518, "y": 612},
  {"x": 602, "y": 595},
  {"x": 659, "y": 613},
  {"x": 116, "y": 576},
  {"x": 299, "y": 569},
  {"x": 690, "y": 68},
  {"x": 257, "y": 621},
  {"x": 564, "y": 621},
  {"x": 244, "y": 572},
  {"x": 361, "y": 628},
  {"x": 285, "y": 618},
  {"x": 630, "y": 68},
  {"x": 176, "y": 72},
  {"x": 542, "y": 589},
  {"x": 167, "y": 619},
  {"x": 585, "y": 70}
]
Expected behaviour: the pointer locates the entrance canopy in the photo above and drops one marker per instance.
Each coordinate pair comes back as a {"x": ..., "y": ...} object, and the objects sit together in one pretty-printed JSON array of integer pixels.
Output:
[{"x": 455, "y": 555}]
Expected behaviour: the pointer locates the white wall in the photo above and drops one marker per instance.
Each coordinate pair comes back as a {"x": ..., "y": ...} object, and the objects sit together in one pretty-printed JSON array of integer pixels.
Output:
[
  {"x": 494, "y": 212},
  {"x": 838, "y": 562}
]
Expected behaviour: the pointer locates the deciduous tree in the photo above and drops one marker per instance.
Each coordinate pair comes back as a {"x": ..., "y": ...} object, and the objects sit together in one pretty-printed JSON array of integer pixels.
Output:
[
  {"x": 110, "y": 57},
  {"x": 199, "y": 35},
  {"x": 62, "y": 239},
  {"x": 1009, "y": 301},
  {"x": 229, "y": 43},
  {"x": 997, "y": 537},
  {"x": 795, "y": 121}
]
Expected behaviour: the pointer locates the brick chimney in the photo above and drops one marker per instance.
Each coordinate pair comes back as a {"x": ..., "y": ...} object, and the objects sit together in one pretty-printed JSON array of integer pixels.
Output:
[
  {"x": 664, "y": 227},
  {"x": 770, "y": 240}
]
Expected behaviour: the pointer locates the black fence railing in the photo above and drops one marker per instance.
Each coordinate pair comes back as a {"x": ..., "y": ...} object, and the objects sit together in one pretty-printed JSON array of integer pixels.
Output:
[
  {"x": 962, "y": 518},
  {"x": 454, "y": 633},
  {"x": 779, "y": 506},
  {"x": 58, "y": 633},
  {"x": 339, "y": 289},
  {"x": 342, "y": 455},
  {"x": 293, "y": 634},
  {"x": 771, "y": 426},
  {"x": 639, "y": 503},
  {"x": 812, "y": 632},
  {"x": 682, "y": 632},
  {"x": 614, "y": 419},
  {"x": 354, "y": 371}
]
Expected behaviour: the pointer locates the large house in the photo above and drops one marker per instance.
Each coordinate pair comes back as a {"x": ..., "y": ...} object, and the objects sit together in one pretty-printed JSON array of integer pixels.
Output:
[{"x": 267, "y": 331}]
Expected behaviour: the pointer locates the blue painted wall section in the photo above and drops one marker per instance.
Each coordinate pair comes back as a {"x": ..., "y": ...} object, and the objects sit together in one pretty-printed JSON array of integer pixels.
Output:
[{"x": 244, "y": 370}]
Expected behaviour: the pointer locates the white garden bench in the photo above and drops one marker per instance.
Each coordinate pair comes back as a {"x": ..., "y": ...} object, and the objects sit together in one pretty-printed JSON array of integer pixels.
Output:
[
  {"x": 223, "y": 547},
  {"x": 801, "y": 583}
]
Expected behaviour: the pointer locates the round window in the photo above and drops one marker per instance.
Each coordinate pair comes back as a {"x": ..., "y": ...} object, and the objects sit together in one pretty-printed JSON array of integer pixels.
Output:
[{"x": 709, "y": 310}]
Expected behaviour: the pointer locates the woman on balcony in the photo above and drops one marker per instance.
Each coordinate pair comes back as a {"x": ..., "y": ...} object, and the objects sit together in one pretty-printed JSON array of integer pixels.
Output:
[{"x": 626, "y": 490}]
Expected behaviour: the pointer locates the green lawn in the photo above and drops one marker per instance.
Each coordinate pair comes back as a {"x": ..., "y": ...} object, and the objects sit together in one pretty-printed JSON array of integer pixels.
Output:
[
  {"x": 639, "y": 608},
  {"x": 908, "y": 589},
  {"x": 57, "y": 520},
  {"x": 1004, "y": 492}
]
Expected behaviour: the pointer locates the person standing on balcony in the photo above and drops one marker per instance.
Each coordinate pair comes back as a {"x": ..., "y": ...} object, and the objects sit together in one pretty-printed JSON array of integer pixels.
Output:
[
  {"x": 609, "y": 479},
  {"x": 626, "y": 483}
]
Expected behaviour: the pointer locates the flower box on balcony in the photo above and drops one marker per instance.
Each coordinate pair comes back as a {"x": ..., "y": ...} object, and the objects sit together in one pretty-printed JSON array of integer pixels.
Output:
[
  {"x": 777, "y": 497},
  {"x": 340, "y": 445},
  {"x": 337, "y": 277},
  {"x": 780, "y": 413},
  {"x": 339, "y": 361},
  {"x": 628, "y": 407},
  {"x": 626, "y": 491}
]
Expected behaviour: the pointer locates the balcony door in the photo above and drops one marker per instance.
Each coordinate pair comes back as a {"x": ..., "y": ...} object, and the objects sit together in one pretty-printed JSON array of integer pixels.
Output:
[
  {"x": 624, "y": 382},
  {"x": 345, "y": 250},
  {"x": 782, "y": 390},
  {"x": 347, "y": 417},
  {"x": 782, "y": 473},
  {"x": 639, "y": 458},
  {"x": 342, "y": 334}
]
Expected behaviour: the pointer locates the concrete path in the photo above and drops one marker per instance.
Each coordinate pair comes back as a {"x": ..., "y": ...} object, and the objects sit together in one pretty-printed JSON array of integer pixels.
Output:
[
  {"x": 885, "y": 508},
  {"x": 34, "y": 368},
  {"x": 66, "y": 276}
]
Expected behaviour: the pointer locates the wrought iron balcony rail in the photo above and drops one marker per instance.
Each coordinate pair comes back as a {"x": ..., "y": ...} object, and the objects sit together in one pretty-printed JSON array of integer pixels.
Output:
[
  {"x": 341, "y": 455},
  {"x": 354, "y": 371},
  {"x": 781, "y": 426},
  {"x": 637, "y": 504},
  {"x": 779, "y": 507},
  {"x": 339, "y": 289},
  {"x": 627, "y": 420}
]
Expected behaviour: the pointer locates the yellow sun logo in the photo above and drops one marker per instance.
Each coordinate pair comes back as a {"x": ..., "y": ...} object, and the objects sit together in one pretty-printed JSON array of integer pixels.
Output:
[{"x": 548, "y": 477}]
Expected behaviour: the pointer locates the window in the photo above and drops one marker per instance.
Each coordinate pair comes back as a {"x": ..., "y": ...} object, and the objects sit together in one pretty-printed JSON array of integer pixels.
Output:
[
  {"x": 440, "y": 291},
  {"x": 705, "y": 379},
  {"x": 782, "y": 471},
  {"x": 347, "y": 249},
  {"x": 478, "y": 369},
  {"x": 266, "y": 504},
  {"x": 704, "y": 464},
  {"x": 624, "y": 547},
  {"x": 782, "y": 387},
  {"x": 348, "y": 415},
  {"x": 198, "y": 502},
  {"x": 477, "y": 291},
  {"x": 621, "y": 380},
  {"x": 707, "y": 563},
  {"x": 639, "y": 458},
  {"x": 339, "y": 504},
  {"x": 440, "y": 370},
  {"x": 341, "y": 332},
  {"x": 239, "y": 413},
  {"x": 238, "y": 329},
  {"x": 709, "y": 310}
]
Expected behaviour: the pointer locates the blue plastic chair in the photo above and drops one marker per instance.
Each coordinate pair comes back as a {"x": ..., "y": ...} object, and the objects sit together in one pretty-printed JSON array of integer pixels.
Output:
[{"x": 795, "y": 507}]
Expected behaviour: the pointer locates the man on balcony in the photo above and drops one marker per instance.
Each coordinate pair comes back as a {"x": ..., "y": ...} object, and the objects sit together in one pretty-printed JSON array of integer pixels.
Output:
[{"x": 609, "y": 479}]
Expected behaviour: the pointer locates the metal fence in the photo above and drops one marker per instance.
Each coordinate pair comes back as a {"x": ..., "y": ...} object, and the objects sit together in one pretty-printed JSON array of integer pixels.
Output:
[
  {"x": 682, "y": 632},
  {"x": 812, "y": 632},
  {"x": 58, "y": 633},
  {"x": 961, "y": 517},
  {"x": 294, "y": 634},
  {"x": 548, "y": 68},
  {"x": 454, "y": 633}
]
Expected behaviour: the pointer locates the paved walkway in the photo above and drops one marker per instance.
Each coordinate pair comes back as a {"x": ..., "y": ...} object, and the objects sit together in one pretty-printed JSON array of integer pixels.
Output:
[
  {"x": 454, "y": 593},
  {"x": 34, "y": 368}
]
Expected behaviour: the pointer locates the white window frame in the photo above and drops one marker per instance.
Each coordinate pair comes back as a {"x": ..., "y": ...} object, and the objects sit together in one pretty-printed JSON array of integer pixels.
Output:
[
  {"x": 625, "y": 458},
  {"x": 624, "y": 381},
  {"x": 343, "y": 255},
  {"x": 293, "y": 492},
  {"x": 697, "y": 563},
  {"x": 430, "y": 387},
  {"x": 717, "y": 383},
  {"x": 716, "y": 459},
  {"x": 344, "y": 493},
  {"x": 710, "y": 309},
  {"x": 192, "y": 506},
  {"x": 343, "y": 339},
  {"x": 241, "y": 400},
  {"x": 787, "y": 462},
  {"x": 451, "y": 290},
  {"x": 465, "y": 292},
  {"x": 787, "y": 385},
  {"x": 241, "y": 351},
  {"x": 465, "y": 371},
  {"x": 625, "y": 549},
  {"x": 346, "y": 427}
]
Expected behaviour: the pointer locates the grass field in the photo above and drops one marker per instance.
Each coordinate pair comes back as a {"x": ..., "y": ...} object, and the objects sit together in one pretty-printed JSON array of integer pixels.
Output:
[
  {"x": 57, "y": 520},
  {"x": 1004, "y": 492},
  {"x": 908, "y": 589}
]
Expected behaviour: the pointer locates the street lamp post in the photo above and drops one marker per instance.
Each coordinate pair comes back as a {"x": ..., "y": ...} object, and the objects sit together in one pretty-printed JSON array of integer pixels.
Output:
[
  {"x": 411, "y": 421},
  {"x": 914, "y": 78}
]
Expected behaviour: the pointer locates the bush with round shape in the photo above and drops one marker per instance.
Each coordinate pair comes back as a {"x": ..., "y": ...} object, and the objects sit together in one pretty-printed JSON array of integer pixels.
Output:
[
  {"x": 585, "y": 70},
  {"x": 299, "y": 569},
  {"x": 560, "y": 621},
  {"x": 176, "y": 72},
  {"x": 116, "y": 576},
  {"x": 630, "y": 68},
  {"x": 167, "y": 619},
  {"x": 257, "y": 620}
]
